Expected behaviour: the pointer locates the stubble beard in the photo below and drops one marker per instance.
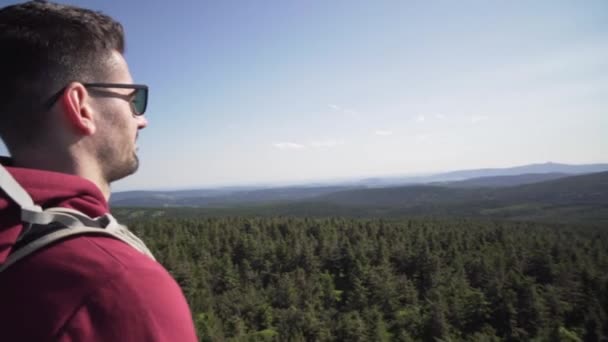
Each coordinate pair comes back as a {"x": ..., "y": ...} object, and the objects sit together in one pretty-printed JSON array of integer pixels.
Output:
[{"x": 114, "y": 168}]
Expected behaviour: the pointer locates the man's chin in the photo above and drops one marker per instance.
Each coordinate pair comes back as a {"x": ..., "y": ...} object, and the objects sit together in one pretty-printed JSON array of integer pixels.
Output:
[
  {"x": 126, "y": 170},
  {"x": 134, "y": 165}
]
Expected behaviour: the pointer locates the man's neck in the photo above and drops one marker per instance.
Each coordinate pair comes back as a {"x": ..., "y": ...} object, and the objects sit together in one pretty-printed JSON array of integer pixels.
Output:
[{"x": 71, "y": 166}]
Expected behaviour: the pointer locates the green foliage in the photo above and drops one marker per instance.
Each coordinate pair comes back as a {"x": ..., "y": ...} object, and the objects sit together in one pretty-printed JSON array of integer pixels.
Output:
[
  {"x": 580, "y": 199},
  {"x": 340, "y": 279}
]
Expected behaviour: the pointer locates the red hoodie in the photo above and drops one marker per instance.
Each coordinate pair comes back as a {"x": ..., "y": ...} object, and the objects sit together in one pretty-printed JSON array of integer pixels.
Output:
[{"x": 85, "y": 288}]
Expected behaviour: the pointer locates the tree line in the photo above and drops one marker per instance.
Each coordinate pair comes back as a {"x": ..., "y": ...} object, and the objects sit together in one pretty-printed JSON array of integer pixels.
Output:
[{"x": 345, "y": 279}]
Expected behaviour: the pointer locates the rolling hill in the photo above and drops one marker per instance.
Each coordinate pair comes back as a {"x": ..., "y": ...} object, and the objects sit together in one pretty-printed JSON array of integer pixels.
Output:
[
  {"x": 503, "y": 181},
  {"x": 588, "y": 188},
  {"x": 251, "y": 195},
  {"x": 574, "y": 199}
]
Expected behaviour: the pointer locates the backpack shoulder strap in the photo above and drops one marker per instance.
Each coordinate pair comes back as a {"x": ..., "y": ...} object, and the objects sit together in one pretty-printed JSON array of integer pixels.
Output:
[
  {"x": 45, "y": 240},
  {"x": 44, "y": 235},
  {"x": 55, "y": 224}
]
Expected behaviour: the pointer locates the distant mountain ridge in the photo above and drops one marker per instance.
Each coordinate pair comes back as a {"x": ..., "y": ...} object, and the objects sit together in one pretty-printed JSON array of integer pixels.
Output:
[
  {"x": 460, "y": 175},
  {"x": 574, "y": 199},
  {"x": 503, "y": 181},
  {"x": 579, "y": 198},
  {"x": 548, "y": 167},
  {"x": 478, "y": 178},
  {"x": 579, "y": 189}
]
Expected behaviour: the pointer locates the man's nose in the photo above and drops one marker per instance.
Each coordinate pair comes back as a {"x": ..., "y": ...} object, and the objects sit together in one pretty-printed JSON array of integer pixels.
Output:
[{"x": 142, "y": 122}]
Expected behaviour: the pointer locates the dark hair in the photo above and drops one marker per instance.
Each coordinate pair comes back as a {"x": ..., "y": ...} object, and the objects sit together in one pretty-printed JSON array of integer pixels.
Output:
[{"x": 45, "y": 46}]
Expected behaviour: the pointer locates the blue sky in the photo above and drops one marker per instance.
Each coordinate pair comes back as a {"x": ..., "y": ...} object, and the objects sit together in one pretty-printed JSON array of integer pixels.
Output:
[{"x": 251, "y": 92}]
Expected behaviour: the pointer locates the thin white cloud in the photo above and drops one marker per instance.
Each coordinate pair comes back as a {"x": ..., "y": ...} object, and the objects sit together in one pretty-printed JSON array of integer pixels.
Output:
[
  {"x": 320, "y": 144},
  {"x": 383, "y": 132},
  {"x": 289, "y": 146},
  {"x": 422, "y": 138},
  {"x": 478, "y": 118},
  {"x": 439, "y": 116},
  {"x": 326, "y": 143},
  {"x": 420, "y": 118},
  {"x": 346, "y": 111}
]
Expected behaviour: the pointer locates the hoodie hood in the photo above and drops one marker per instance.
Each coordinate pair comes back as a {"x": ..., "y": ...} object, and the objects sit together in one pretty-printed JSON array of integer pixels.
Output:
[{"x": 47, "y": 189}]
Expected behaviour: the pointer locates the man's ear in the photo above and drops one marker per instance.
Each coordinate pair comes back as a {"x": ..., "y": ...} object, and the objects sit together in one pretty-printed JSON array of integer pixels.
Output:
[{"x": 76, "y": 104}]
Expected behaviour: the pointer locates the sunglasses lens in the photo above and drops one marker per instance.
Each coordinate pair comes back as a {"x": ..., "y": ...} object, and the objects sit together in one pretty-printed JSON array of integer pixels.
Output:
[{"x": 140, "y": 101}]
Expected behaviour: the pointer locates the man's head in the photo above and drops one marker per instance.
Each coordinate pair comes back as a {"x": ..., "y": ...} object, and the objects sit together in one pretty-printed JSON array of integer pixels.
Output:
[{"x": 50, "y": 52}]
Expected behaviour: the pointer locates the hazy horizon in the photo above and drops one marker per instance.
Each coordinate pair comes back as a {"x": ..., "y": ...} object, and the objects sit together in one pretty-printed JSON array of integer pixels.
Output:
[
  {"x": 330, "y": 181},
  {"x": 289, "y": 91}
]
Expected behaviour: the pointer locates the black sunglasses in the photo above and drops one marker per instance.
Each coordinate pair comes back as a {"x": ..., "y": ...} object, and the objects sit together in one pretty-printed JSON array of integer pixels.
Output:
[{"x": 138, "y": 99}]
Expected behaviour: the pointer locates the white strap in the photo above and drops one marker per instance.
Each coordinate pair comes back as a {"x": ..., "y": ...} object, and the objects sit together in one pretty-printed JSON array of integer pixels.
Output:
[
  {"x": 71, "y": 217},
  {"x": 16, "y": 192},
  {"x": 46, "y": 217},
  {"x": 32, "y": 213},
  {"x": 75, "y": 222},
  {"x": 67, "y": 232},
  {"x": 124, "y": 234},
  {"x": 43, "y": 241},
  {"x": 74, "y": 219}
]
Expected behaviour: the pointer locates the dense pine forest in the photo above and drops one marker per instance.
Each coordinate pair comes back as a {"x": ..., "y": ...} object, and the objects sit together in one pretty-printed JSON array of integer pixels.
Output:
[{"x": 346, "y": 279}]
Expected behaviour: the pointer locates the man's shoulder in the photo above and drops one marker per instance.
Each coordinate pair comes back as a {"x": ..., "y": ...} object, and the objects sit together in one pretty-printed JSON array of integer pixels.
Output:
[
  {"x": 87, "y": 278},
  {"x": 138, "y": 301},
  {"x": 91, "y": 256},
  {"x": 75, "y": 267}
]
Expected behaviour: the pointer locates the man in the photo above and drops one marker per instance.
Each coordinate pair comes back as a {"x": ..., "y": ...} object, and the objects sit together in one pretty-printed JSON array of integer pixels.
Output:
[{"x": 69, "y": 116}]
